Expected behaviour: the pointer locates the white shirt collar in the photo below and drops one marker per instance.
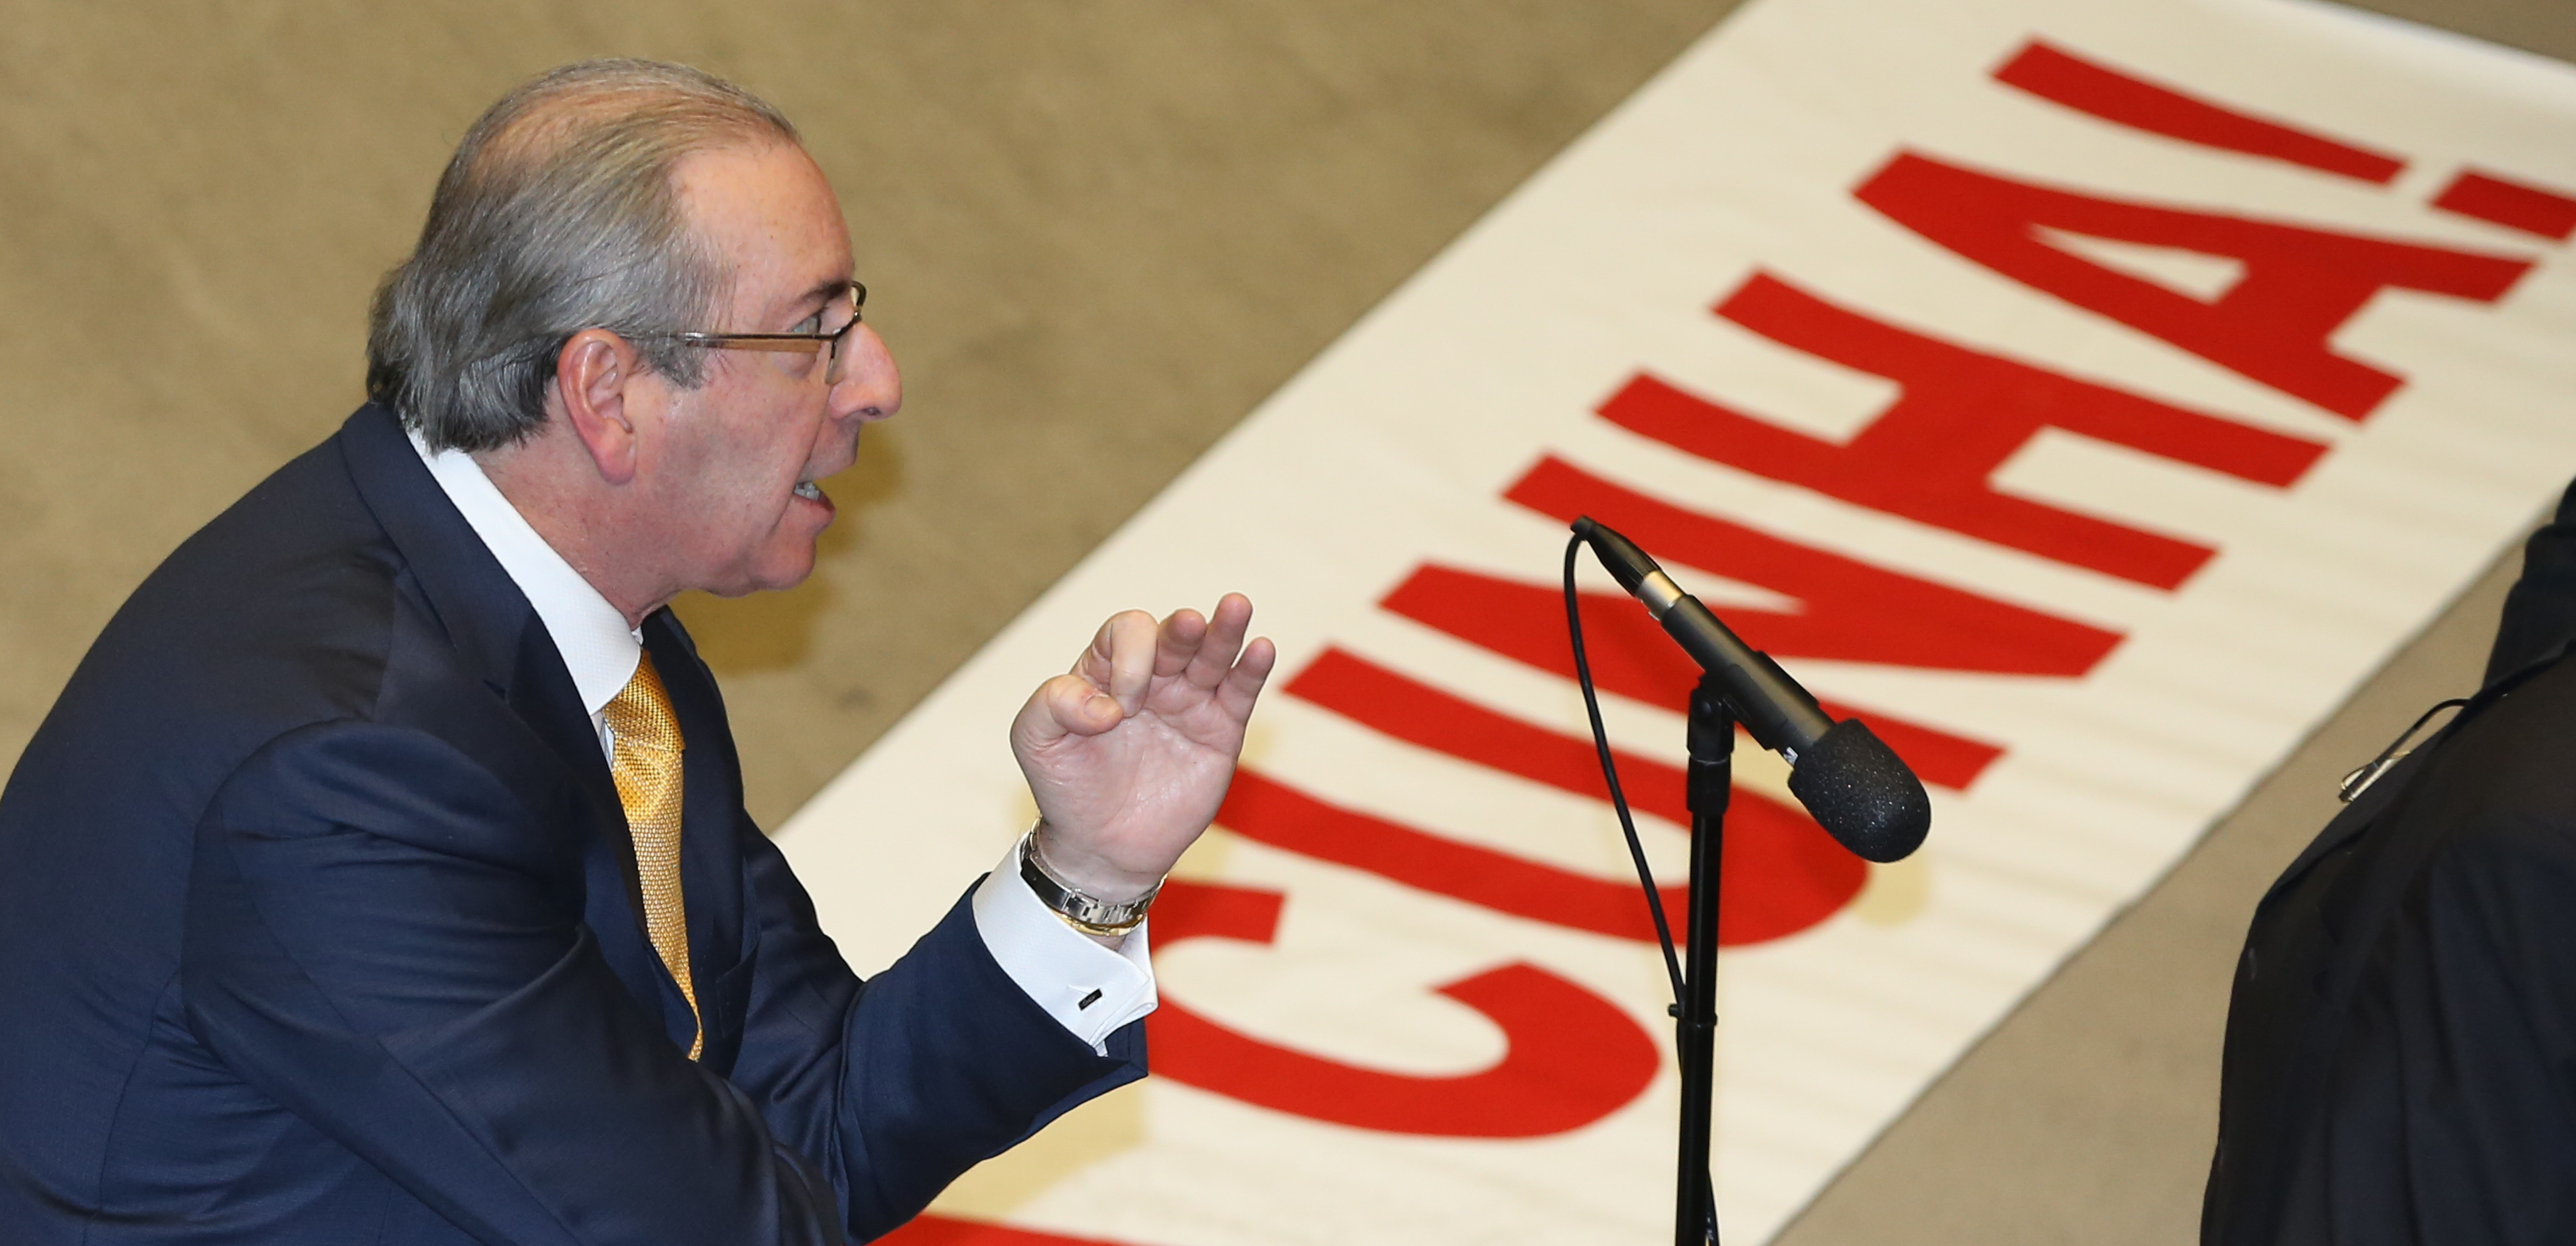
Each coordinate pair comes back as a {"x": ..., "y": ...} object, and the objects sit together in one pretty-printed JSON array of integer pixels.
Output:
[{"x": 597, "y": 646}]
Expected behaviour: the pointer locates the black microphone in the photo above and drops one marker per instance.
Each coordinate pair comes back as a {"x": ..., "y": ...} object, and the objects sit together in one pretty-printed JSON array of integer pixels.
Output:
[{"x": 1856, "y": 787}]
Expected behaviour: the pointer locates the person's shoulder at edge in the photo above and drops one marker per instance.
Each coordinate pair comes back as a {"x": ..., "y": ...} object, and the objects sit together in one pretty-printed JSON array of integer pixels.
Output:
[{"x": 279, "y": 611}]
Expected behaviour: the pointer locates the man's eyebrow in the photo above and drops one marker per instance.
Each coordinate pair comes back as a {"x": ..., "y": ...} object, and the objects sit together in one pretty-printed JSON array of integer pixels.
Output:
[
  {"x": 811, "y": 300},
  {"x": 827, "y": 291}
]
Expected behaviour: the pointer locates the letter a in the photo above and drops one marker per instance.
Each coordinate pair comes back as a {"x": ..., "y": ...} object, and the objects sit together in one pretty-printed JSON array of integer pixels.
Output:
[{"x": 2274, "y": 325}]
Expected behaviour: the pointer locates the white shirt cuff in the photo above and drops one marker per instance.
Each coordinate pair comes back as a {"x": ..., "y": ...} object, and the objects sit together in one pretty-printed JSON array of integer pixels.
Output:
[{"x": 1089, "y": 989}]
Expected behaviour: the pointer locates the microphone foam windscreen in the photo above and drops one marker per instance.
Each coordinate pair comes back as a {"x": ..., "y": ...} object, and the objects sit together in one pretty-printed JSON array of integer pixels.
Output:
[{"x": 1862, "y": 793}]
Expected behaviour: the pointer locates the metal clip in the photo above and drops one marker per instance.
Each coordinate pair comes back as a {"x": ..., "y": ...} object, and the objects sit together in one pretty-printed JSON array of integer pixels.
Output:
[{"x": 2359, "y": 781}]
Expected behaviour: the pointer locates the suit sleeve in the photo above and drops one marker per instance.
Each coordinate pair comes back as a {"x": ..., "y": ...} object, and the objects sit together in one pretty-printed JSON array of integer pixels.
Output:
[
  {"x": 898, "y": 1084},
  {"x": 386, "y": 938}
]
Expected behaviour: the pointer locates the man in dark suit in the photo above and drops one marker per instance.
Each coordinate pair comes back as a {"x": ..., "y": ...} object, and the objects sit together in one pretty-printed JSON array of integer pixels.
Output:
[
  {"x": 2401, "y": 1048},
  {"x": 382, "y": 874}
]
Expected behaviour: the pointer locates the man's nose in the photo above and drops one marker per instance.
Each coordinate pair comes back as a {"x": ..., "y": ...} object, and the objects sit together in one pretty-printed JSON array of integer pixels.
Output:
[{"x": 870, "y": 387}]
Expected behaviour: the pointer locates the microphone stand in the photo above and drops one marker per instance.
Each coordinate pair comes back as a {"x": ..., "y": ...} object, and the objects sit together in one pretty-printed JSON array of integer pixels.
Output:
[
  {"x": 1711, "y": 783},
  {"x": 1857, "y": 788}
]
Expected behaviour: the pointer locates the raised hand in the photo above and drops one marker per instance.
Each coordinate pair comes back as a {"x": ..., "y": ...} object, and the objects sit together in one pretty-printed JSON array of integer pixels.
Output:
[{"x": 1129, "y": 754}]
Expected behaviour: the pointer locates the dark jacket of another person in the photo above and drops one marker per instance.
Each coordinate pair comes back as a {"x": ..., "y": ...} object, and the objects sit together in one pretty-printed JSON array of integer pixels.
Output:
[{"x": 2401, "y": 1045}]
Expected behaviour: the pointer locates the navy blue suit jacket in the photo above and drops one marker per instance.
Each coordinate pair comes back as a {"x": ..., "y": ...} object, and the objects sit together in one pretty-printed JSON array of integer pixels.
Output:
[{"x": 319, "y": 923}]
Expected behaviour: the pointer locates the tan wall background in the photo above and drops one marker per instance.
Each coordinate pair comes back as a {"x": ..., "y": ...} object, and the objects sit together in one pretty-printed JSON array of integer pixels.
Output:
[{"x": 1096, "y": 233}]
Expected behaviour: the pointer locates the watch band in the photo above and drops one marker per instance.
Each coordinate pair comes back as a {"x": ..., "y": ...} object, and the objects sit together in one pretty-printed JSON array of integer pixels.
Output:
[{"x": 1087, "y": 913}]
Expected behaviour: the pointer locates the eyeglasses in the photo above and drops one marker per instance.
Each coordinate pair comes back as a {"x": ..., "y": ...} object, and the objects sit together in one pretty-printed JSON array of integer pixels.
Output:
[{"x": 830, "y": 343}]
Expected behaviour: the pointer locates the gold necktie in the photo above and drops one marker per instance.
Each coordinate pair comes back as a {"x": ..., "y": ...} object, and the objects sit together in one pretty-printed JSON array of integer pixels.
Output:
[{"x": 645, "y": 761}]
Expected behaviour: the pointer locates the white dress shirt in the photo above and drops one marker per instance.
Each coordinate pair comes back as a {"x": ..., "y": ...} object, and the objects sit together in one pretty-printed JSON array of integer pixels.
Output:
[{"x": 1091, "y": 990}]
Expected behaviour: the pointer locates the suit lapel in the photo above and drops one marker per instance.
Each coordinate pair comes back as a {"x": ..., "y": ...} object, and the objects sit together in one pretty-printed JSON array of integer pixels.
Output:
[
  {"x": 481, "y": 610},
  {"x": 486, "y": 617},
  {"x": 543, "y": 695},
  {"x": 498, "y": 637}
]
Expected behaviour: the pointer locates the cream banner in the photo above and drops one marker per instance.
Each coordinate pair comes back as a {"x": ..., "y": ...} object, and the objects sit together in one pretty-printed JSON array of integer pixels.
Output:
[{"x": 2090, "y": 393}]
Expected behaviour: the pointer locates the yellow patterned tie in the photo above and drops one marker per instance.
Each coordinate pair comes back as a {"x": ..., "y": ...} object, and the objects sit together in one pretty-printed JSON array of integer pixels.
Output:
[{"x": 645, "y": 761}]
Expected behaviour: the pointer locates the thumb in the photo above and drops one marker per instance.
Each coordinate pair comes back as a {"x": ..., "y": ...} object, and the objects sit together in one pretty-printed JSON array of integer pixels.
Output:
[{"x": 1062, "y": 706}]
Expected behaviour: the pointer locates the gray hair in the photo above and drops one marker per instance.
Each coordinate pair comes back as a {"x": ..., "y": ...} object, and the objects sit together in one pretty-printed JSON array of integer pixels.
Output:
[{"x": 557, "y": 214}]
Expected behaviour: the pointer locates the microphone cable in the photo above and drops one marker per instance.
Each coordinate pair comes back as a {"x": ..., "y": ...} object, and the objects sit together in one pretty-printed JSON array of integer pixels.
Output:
[
  {"x": 1628, "y": 828},
  {"x": 1610, "y": 772}
]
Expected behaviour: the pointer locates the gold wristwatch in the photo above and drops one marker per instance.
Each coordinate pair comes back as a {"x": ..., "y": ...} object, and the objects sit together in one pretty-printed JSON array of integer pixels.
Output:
[{"x": 1084, "y": 912}]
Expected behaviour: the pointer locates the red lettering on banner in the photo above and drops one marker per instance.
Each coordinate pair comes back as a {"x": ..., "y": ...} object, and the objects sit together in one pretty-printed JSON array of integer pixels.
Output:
[
  {"x": 1571, "y": 1057},
  {"x": 1933, "y": 453},
  {"x": 930, "y": 1230},
  {"x": 1632, "y": 656},
  {"x": 2274, "y": 325},
  {"x": 1849, "y": 611},
  {"x": 1781, "y": 872},
  {"x": 2125, "y": 99},
  {"x": 1766, "y": 844},
  {"x": 2513, "y": 205}
]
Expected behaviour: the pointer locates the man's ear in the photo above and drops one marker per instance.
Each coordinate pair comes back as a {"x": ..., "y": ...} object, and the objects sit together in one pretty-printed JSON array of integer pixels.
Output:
[{"x": 592, "y": 376}]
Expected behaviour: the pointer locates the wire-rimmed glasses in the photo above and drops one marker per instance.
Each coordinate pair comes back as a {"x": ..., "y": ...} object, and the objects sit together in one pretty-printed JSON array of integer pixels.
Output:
[{"x": 827, "y": 342}]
